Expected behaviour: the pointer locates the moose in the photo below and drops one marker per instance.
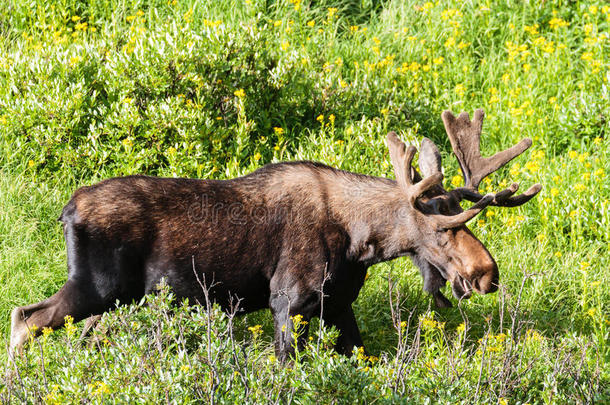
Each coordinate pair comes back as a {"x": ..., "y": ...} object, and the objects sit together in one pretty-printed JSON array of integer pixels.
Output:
[{"x": 295, "y": 237}]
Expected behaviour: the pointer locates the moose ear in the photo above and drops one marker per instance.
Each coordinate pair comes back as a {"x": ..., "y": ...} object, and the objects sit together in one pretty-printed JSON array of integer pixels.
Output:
[{"x": 429, "y": 158}]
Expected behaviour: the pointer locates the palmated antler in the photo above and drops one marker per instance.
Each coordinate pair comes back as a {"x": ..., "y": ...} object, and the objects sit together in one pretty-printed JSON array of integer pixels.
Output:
[
  {"x": 408, "y": 179},
  {"x": 465, "y": 137}
]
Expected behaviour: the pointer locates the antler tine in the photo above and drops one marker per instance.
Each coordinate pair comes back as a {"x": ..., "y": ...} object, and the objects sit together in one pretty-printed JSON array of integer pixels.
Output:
[
  {"x": 402, "y": 157},
  {"x": 465, "y": 138},
  {"x": 453, "y": 221}
]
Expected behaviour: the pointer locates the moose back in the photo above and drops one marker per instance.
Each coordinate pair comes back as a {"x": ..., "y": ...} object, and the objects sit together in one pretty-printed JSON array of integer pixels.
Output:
[{"x": 279, "y": 237}]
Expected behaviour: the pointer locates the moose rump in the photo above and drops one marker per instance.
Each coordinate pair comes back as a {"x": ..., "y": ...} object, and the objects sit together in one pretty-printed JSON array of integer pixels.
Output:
[{"x": 124, "y": 235}]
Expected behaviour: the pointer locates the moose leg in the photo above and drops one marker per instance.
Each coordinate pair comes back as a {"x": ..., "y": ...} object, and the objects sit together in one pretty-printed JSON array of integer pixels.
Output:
[
  {"x": 284, "y": 316},
  {"x": 50, "y": 313},
  {"x": 90, "y": 323},
  {"x": 433, "y": 282},
  {"x": 349, "y": 334}
]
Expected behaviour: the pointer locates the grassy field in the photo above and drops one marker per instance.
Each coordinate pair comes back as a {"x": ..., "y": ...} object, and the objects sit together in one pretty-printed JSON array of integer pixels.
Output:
[{"x": 216, "y": 89}]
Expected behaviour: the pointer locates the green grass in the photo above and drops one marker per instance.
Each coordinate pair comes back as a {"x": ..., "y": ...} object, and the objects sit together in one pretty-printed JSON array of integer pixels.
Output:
[{"x": 217, "y": 89}]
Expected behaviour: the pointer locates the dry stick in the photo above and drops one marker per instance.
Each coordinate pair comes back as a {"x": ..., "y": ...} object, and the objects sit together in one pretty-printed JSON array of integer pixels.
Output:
[
  {"x": 400, "y": 360},
  {"x": 325, "y": 278},
  {"x": 597, "y": 370},
  {"x": 208, "y": 331},
  {"x": 397, "y": 325},
  {"x": 466, "y": 325},
  {"x": 99, "y": 347},
  {"x": 504, "y": 374},
  {"x": 452, "y": 371},
  {"x": 12, "y": 359},
  {"x": 502, "y": 302},
  {"x": 243, "y": 373},
  {"x": 415, "y": 348},
  {"x": 476, "y": 394},
  {"x": 588, "y": 395},
  {"x": 44, "y": 374}
]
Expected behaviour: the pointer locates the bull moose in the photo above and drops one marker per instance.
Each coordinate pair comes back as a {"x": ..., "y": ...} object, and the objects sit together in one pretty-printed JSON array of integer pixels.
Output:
[{"x": 282, "y": 237}]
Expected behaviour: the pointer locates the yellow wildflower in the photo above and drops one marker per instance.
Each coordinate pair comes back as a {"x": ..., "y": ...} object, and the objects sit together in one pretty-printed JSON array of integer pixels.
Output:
[
  {"x": 579, "y": 187},
  {"x": 587, "y": 56},
  {"x": 256, "y": 330},
  {"x": 555, "y": 23},
  {"x": 456, "y": 181},
  {"x": 460, "y": 90}
]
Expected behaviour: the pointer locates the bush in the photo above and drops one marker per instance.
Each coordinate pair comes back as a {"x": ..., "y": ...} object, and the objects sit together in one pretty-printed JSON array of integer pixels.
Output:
[{"x": 159, "y": 350}]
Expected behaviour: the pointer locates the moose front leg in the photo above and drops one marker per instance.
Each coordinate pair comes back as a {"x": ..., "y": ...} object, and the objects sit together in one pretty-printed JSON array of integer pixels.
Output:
[
  {"x": 287, "y": 308},
  {"x": 433, "y": 282}
]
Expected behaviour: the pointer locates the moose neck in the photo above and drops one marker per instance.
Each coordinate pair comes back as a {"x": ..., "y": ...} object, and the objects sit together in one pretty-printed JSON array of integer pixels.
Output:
[{"x": 374, "y": 212}]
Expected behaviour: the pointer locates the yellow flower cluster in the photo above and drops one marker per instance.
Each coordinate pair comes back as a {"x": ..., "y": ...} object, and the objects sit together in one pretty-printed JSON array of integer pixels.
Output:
[
  {"x": 532, "y": 336},
  {"x": 495, "y": 343},
  {"x": 256, "y": 330},
  {"x": 556, "y": 23},
  {"x": 428, "y": 323},
  {"x": 98, "y": 388},
  {"x": 297, "y": 320},
  {"x": 69, "y": 325},
  {"x": 515, "y": 50}
]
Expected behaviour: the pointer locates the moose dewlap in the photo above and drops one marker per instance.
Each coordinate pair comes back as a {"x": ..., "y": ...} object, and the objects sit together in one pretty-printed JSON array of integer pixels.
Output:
[{"x": 278, "y": 237}]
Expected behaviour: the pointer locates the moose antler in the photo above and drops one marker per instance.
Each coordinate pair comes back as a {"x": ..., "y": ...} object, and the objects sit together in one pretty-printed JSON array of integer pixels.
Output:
[
  {"x": 408, "y": 179},
  {"x": 465, "y": 137},
  {"x": 401, "y": 158}
]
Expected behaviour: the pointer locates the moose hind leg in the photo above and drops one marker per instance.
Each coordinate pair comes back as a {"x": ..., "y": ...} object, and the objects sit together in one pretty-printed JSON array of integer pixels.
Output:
[
  {"x": 71, "y": 300},
  {"x": 90, "y": 324}
]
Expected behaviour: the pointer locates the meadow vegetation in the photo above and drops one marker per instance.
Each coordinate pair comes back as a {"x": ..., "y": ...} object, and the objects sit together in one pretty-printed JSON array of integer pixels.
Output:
[{"x": 216, "y": 89}]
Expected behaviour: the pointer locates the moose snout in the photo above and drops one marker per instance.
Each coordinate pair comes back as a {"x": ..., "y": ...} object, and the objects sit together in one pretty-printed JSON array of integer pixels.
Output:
[{"x": 487, "y": 282}]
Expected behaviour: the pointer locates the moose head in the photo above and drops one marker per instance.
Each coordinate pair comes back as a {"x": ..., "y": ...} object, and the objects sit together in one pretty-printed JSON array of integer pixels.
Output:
[{"x": 447, "y": 250}]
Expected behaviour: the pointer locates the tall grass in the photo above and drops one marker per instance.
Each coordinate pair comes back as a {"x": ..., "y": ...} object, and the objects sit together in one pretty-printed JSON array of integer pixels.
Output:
[{"x": 90, "y": 90}]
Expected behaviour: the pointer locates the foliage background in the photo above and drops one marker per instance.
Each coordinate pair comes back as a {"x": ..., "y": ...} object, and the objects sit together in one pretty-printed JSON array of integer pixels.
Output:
[{"x": 103, "y": 88}]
